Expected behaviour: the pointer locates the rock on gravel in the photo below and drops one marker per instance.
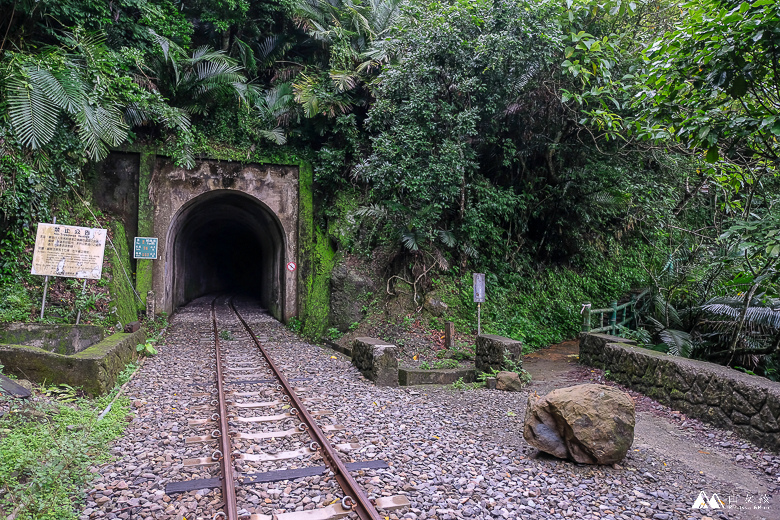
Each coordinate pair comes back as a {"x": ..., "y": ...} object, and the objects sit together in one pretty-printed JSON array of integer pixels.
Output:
[{"x": 591, "y": 424}]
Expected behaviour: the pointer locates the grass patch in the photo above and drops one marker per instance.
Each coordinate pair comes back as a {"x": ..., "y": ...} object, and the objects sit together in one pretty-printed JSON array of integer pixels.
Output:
[
  {"x": 541, "y": 308},
  {"x": 47, "y": 447}
]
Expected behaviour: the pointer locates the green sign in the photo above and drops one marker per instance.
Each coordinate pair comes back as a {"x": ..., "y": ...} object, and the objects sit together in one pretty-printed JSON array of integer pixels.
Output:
[{"x": 144, "y": 247}]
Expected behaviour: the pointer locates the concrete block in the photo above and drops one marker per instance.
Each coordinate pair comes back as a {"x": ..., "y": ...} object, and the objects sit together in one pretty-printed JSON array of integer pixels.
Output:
[{"x": 377, "y": 360}]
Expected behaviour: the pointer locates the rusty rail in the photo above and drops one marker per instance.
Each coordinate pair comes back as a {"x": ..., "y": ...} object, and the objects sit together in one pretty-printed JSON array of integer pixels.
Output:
[
  {"x": 226, "y": 459},
  {"x": 355, "y": 498}
]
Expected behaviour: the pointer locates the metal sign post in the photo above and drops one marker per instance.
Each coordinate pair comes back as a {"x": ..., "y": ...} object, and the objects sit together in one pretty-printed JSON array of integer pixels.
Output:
[
  {"x": 479, "y": 297},
  {"x": 46, "y": 283},
  {"x": 83, "y": 288}
]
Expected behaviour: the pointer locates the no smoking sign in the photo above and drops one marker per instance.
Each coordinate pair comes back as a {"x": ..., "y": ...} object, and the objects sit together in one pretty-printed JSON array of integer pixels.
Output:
[{"x": 291, "y": 266}]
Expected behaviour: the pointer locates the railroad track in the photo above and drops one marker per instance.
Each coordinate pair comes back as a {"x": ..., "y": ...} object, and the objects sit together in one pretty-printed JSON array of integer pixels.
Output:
[{"x": 257, "y": 429}]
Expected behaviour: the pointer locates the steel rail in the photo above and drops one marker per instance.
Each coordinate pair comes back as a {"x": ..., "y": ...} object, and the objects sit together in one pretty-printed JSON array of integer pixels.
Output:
[
  {"x": 361, "y": 504},
  {"x": 228, "y": 484}
]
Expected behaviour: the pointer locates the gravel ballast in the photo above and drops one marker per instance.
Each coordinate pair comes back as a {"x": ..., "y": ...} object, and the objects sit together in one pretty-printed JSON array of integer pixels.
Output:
[{"x": 454, "y": 454}]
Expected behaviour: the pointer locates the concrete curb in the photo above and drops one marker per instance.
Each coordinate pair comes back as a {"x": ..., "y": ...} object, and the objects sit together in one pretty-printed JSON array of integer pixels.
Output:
[{"x": 94, "y": 369}]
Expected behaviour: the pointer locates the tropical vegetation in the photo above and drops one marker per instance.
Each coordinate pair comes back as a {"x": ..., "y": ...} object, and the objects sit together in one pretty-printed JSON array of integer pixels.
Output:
[{"x": 572, "y": 149}]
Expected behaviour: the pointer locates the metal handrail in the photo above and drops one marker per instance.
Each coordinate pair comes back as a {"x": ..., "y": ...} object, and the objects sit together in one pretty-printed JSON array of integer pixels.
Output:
[{"x": 628, "y": 308}]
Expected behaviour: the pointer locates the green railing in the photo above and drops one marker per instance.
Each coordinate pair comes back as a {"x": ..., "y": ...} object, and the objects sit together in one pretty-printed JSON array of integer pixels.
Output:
[{"x": 628, "y": 314}]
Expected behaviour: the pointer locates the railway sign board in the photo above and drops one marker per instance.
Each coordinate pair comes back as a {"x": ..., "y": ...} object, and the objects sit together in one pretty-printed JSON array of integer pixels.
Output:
[
  {"x": 145, "y": 248},
  {"x": 291, "y": 266},
  {"x": 68, "y": 251},
  {"x": 479, "y": 287}
]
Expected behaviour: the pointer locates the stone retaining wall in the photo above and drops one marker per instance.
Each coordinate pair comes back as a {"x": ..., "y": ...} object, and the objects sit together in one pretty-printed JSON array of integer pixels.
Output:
[
  {"x": 493, "y": 352},
  {"x": 377, "y": 360},
  {"x": 747, "y": 405},
  {"x": 94, "y": 369}
]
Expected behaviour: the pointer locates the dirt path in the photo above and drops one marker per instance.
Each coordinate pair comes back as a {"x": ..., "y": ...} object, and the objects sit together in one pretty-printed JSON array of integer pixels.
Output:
[{"x": 745, "y": 478}]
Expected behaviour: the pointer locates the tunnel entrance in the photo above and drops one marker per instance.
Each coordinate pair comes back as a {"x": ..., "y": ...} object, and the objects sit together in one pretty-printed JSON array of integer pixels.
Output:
[{"x": 226, "y": 241}]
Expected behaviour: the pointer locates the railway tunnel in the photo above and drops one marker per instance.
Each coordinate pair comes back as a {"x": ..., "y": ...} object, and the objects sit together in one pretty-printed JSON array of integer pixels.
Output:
[{"x": 225, "y": 241}]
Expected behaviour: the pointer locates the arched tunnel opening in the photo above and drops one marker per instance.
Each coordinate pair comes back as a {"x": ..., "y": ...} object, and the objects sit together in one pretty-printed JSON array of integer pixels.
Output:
[{"x": 226, "y": 242}]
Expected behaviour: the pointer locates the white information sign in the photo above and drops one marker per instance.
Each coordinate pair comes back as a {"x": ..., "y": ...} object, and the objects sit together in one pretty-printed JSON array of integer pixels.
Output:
[
  {"x": 69, "y": 251},
  {"x": 479, "y": 287}
]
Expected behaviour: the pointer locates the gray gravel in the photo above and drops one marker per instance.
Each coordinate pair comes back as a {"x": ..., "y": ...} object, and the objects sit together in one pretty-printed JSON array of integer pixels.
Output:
[{"x": 454, "y": 454}]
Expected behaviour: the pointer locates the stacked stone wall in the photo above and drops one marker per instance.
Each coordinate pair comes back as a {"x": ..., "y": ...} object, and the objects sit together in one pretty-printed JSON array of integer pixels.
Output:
[
  {"x": 497, "y": 352},
  {"x": 376, "y": 360},
  {"x": 748, "y": 405}
]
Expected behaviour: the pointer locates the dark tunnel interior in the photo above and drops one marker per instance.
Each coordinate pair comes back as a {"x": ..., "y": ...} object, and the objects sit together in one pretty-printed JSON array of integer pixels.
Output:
[{"x": 227, "y": 242}]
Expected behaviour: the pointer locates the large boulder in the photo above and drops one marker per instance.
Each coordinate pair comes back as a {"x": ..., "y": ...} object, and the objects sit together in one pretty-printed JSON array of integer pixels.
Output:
[
  {"x": 434, "y": 304},
  {"x": 350, "y": 292},
  {"x": 590, "y": 424}
]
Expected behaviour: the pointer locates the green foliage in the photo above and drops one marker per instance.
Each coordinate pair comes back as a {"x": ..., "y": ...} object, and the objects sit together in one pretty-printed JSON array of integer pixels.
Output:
[
  {"x": 712, "y": 81},
  {"x": 62, "y": 82},
  {"x": 226, "y": 335},
  {"x": 47, "y": 448},
  {"x": 461, "y": 385},
  {"x": 333, "y": 333},
  {"x": 295, "y": 324},
  {"x": 147, "y": 349},
  {"x": 543, "y": 308},
  {"x": 61, "y": 392},
  {"x": 456, "y": 354},
  {"x": 15, "y": 305}
]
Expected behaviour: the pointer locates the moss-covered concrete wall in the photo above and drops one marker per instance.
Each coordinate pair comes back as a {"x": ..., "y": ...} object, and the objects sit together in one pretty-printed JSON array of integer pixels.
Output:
[
  {"x": 316, "y": 260},
  {"x": 120, "y": 285},
  {"x": 318, "y": 297},
  {"x": 144, "y": 268},
  {"x": 61, "y": 339},
  {"x": 94, "y": 369}
]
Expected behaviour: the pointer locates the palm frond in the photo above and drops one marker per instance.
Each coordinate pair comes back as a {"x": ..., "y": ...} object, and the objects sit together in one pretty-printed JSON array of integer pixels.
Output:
[
  {"x": 678, "y": 342},
  {"x": 32, "y": 114},
  {"x": 372, "y": 211},
  {"x": 411, "y": 240},
  {"x": 447, "y": 238}
]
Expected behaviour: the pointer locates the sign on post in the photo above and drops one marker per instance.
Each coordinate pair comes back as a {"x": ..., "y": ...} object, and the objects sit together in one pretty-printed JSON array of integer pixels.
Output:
[
  {"x": 479, "y": 297},
  {"x": 479, "y": 287},
  {"x": 145, "y": 248},
  {"x": 69, "y": 251}
]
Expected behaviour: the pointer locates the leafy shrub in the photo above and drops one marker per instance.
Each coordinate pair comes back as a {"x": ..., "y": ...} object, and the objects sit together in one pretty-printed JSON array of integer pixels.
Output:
[
  {"x": 15, "y": 304},
  {"x": 295, "y": 324},
  {"x": 146, "y": 349}
]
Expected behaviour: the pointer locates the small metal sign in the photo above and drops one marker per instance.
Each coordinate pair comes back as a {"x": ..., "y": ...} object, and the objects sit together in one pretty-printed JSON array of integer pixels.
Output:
[
  {"x": 291, "y": 266},
  {"x": 479, "y": 287},
  {"x": 145, "y": 248},
  {"x": 68, "y": 251}
]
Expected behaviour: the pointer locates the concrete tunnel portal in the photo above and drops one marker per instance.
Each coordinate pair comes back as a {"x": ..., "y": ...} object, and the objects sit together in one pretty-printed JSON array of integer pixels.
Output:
[{"x": 226, "y": 241}]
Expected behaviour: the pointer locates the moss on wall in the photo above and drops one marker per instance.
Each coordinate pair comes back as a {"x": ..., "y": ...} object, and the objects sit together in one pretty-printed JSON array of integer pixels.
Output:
[
  {"x": 143, "y": 268},
  {"x": 318, "y": 299},
  {"x": 120, "y": 288},
  {"x": 316, "y": 259}
]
